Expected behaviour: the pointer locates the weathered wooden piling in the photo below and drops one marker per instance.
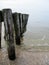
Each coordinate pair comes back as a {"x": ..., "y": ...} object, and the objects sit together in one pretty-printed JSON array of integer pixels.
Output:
[
  {"x": 1, "y": 19},
  {"x": 17, "y": 28},
  {"x": 0, "y": 33},
  {"x": 20, "y": 23},
  {"x": 12, "y": 21},
  {"x": 9, "y": 29},
  {"x": 24, "y": 22}
]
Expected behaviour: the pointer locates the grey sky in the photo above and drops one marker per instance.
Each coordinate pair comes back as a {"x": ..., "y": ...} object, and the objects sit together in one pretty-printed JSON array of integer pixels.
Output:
[{"x": 38, "y": 10}]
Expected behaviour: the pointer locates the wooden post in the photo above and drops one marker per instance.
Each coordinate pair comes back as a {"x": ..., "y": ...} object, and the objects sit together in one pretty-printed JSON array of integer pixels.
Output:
[
  {"x": 0, "y": 33},
  {"x": 21, "y": 25},
  {"x": 9, "y": 28},
  {"x": 1, "y": 19},
  {"x": 24, "y": 22},
  {"x": 17, "y": 27}
]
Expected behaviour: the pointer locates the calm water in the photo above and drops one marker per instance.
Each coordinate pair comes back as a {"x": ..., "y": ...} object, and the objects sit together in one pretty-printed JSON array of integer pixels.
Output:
[
  {"x": 27, "y": 53},
  {"x": 34, "y": 36}
]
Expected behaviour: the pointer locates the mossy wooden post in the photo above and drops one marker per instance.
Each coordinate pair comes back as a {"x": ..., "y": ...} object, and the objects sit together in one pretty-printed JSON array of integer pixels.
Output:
[
  {"x": 1, "y": 19},
  {"x": 8, "y": 21},
  {"x": 17, "y": 28}
]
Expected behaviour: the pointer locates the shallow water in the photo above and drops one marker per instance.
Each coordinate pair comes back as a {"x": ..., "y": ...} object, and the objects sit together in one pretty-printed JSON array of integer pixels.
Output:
[
  {"x": 34, "y": 50},
  {"x": 25, "y": 57}
]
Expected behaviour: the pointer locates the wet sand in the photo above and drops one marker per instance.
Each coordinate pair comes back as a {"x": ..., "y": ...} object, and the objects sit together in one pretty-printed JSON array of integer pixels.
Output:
[{"x": 24, "y": 57}]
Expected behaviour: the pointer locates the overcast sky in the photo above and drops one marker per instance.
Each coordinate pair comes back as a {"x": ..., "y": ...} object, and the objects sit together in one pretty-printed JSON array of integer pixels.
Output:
[{"x": 38, "y": 10}]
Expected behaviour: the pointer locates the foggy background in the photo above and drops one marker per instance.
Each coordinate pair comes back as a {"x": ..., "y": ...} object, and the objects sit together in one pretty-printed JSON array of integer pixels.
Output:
[{"x": 38, "y": 10}]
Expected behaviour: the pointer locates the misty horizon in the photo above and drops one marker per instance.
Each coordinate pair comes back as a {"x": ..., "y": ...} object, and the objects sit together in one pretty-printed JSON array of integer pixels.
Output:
[{"x": 38, "y": 10}]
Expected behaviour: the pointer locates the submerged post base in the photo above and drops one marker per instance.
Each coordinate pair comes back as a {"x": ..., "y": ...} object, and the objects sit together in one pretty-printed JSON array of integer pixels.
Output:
[
  {"x": 18, "y": 42},
  {"x": 11, "y": 53}
]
